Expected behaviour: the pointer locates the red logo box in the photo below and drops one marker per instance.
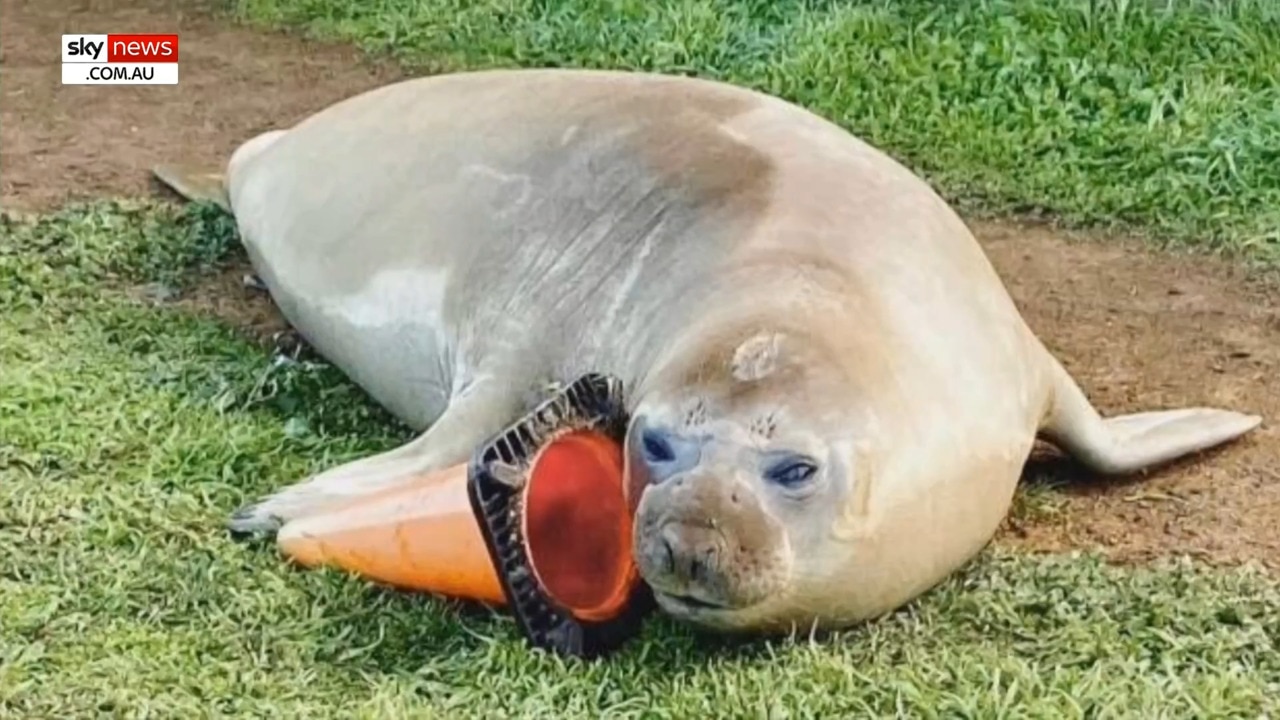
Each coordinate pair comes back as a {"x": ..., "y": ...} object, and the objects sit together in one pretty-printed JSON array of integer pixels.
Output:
[{"x": 142, "y": 48}]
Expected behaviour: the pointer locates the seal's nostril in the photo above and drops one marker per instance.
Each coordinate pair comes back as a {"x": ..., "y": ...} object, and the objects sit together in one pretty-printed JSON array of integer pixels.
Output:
[
  {"x": 667, "y": 552},
  {"x": 697, "y": 568},
  {"x": 700, "y": 565}
]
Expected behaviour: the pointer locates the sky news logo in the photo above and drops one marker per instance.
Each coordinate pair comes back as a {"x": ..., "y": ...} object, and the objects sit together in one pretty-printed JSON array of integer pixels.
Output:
[{"x": 120, "y": 59}]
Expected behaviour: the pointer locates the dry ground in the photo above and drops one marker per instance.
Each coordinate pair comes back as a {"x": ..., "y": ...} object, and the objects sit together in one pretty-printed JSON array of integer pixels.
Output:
[{"x": 1139, "y": 330}]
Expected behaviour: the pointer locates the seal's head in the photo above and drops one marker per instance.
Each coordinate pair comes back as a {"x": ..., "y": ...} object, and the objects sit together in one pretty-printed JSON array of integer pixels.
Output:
[{"x": 740, "y": 466}]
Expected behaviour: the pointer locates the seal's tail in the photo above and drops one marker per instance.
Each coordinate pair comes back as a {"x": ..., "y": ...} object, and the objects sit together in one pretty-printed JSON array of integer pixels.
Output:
[
  {"x": 1129, "y": 443},
  {"x": 194, "y": 185},
  {"x": 198, "y": 185}
]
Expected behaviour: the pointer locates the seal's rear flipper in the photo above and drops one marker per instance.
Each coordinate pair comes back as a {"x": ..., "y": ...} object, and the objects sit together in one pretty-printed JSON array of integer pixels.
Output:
[
  {"x": 194, "y": 185},
  {"x": 199, "y": 185},
  {"x": 1129, "y": 443}
]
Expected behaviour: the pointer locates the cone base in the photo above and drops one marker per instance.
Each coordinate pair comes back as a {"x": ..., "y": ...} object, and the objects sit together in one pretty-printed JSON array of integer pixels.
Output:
[{"x": 576, "y": 528}]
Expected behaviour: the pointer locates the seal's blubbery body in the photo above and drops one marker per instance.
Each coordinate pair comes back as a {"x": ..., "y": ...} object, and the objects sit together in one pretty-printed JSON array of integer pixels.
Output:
[{"x": 833, "y": 394}]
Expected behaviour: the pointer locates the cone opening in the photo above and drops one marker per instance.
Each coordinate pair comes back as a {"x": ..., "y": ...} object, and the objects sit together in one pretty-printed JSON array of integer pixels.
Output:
[{"x": 576, "y": 525}]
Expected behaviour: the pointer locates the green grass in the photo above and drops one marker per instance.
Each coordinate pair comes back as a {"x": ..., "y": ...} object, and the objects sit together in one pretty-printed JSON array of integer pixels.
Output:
[
  {"x": 128, "y": 433},
  {"x": 1109, "y": 113}
]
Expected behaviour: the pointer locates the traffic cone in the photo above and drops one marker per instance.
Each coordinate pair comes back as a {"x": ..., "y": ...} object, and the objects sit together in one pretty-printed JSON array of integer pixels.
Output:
[
  {"x": 537, "y": 522},
  {"x": 422, "y": 536}
]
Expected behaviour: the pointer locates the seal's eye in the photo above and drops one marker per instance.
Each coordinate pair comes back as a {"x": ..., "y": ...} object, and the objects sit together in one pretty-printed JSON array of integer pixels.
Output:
[
  {"x": 791, "y": 472},
  {"x": 656, "y": 448}
]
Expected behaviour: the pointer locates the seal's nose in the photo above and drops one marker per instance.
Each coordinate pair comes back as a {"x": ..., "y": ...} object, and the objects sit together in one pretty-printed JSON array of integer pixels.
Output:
[
  {"x": 692, "y": 553},
  {"x": 666, "y": 453}
]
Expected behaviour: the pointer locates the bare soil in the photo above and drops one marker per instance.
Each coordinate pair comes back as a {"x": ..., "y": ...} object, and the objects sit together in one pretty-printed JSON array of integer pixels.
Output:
[
  {"x": 73, "y": 142},
  {"x": 1139, "y": 329}
]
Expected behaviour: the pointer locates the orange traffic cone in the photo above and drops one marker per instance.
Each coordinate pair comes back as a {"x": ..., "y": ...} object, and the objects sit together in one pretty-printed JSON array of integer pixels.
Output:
[
  {"x": 421, "y": 536},
  {"x": 538, "y": 521}
]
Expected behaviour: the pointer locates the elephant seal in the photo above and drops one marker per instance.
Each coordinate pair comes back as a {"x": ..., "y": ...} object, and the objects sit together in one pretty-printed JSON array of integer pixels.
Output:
[{"x": 832, "y": 395}]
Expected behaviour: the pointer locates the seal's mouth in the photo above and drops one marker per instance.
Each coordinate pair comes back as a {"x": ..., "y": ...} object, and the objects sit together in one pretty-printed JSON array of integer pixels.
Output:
[{"x": 688, "y": 604}]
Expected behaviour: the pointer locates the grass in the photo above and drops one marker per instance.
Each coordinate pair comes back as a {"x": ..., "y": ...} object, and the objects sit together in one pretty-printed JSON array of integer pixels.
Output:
[
  {"x": 129, "y": 432},
  {"x": 1160, "y": 118}
]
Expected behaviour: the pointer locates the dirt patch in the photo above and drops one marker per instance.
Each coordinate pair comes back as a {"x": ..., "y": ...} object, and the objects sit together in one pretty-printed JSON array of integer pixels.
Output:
[
  {"x": 1140, "y": 330},
  {"x": 74, "y": 142}
]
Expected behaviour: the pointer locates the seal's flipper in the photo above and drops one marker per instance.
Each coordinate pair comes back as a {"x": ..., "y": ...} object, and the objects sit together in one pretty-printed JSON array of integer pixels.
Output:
[
  {"x": 202, "y": 185},
  {"x": 1129, "y": 443},
  {"x": 338, "y": 487},
  {"x": 194, "y": 185},
  {"x": 451, "y": 438}
]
